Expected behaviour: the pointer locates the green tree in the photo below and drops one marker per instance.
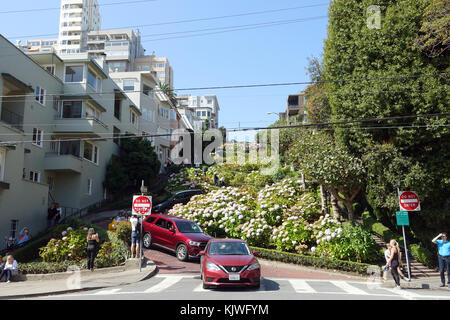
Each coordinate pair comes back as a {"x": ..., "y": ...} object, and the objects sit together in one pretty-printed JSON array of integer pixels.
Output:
[
  {"x": 329, "y": 164},
  {"x": 419, "y": 148},
  {"x": 168, "y": 91},
  {"x": 116, "y": 178}
]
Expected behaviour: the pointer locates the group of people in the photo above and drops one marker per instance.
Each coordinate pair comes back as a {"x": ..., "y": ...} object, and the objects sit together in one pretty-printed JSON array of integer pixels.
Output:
[
  {"x": 13, "y": 243},
  {"x": 393, "y": 257},
  {"x": 8, "y": 268},
  {"x": 54, "y": 214}
]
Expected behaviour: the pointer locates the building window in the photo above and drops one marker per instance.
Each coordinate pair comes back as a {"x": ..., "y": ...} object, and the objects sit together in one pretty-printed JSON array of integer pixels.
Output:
[
  {"x": 35, "y": 176},
  {"x": 2, "y": 163},
  {"x": 89, "y": 187},
  {"x": 14, "y": 224},
  {"x": 146, "y": 90},
  {"x": 117, "y": 103},
  {"x": 116, "y": 135},
  {"x": 92, "y": 112},
  {"x": 70, "y": 148},
  {"x": 51, "y": 183},
  {"x": 209, "y": 113},
  {"x": 38, "y": 135},
  {"x": 94, "y": 81},
  {"x": 74, "y": 74},
  {"x": 128, "y": 85},
  {"x": 90, "y": 152},
  {"x": 72, "y": 109},
  {"x": 160, "y": 65},
  {"x": 209, "y": 101},
  {"x": 40, "y": 95},
  {"x": 203, "y": 113},
  {"x": 133, "y": 119},
  {"x": 50, "y": 69}
]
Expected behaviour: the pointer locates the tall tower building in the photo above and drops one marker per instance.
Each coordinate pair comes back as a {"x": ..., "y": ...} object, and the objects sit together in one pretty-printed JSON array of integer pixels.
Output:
[{"x": 77, "y": 18}]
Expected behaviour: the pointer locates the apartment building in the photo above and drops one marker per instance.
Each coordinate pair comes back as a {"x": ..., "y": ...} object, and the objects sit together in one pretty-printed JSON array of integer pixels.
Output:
[
  {"x": 160, "y": 65},
  {"x": 157, "y": 112},
  {"x": 295, "y": 108},
  {"x": 206, "y": 109},
  {"x": 77, "y": 19},
  {"x": 57, "y": 120},
  {"x": 120, "y": 46},
  {"x": 188, "y": 114}
]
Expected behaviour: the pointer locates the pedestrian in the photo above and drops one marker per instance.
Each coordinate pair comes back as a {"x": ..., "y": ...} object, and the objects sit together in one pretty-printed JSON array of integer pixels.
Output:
[
  {"x": 135, "y": 236},
  {"x": 2, "y": 263},
  {"x": 387, "y": 254},
  {"x": 51, "y": 213},
  {"x": 58, "y": 213},
  {"x": 91, "y": 250},
  {"x": 394, "y": 262},
  {"x": 24, "y": 237},
  {"x": 10, "y": 268},
  {"x": 443, "y": 256}
]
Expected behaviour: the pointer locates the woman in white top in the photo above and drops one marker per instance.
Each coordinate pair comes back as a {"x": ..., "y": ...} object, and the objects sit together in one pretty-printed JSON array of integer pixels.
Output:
[{"x": 10, "y": 268}]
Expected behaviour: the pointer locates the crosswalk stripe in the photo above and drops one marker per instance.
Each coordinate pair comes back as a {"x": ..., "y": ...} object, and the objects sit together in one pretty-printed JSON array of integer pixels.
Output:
[
  {"x": 301, "y": 286},
  {"x": 166, "y": 283},
  {"x": 405, "y": 293},
  {"x": 106, "y": 292},
  {"x": 348, "y": 288}
]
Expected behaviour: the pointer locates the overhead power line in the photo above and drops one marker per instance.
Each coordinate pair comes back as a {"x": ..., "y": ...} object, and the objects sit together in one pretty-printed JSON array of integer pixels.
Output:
[
  {"x": 319, "y": 126},
  {"x": 58, "y": 8},
  {"x": 398, "y": 77}
]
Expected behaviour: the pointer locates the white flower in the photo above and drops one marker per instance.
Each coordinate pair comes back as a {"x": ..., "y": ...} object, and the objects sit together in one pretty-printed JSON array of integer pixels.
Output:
[
  {"x": 313, "y": 249},
  {"x": 328, "y": 238}
]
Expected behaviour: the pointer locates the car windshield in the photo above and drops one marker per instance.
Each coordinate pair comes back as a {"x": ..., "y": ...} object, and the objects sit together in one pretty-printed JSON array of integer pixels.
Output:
[
  {"x": 229, "y": 248},
  {"x": 188, "y": 227}
]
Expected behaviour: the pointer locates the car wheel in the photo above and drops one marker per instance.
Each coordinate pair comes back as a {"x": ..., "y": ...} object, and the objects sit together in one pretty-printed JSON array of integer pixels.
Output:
[
  {"x": 182, "y": 252},
  {"x": 147, "y": 240}
]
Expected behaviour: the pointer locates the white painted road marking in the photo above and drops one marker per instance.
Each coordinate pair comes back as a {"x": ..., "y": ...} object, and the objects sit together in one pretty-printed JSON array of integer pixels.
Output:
[
  {"x": 348, "y": 288},
  {"x": 301, "y": 286},
  {"x": 166, "y": 283}
]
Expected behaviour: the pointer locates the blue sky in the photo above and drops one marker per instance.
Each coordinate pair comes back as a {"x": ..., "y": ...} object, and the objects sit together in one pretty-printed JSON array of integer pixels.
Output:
[{"x": 263, "y": 55}]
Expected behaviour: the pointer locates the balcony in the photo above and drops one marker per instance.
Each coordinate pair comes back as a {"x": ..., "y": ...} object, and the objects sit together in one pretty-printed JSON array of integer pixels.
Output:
[
  {"x": 81, "y": 127},
  {"x": 15, "y": 120},
  {"x": 62, "y": 163}
]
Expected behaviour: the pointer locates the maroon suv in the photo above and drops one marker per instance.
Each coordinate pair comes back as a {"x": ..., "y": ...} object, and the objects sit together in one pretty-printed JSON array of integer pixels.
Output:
[{"x": 181, "y": 236}]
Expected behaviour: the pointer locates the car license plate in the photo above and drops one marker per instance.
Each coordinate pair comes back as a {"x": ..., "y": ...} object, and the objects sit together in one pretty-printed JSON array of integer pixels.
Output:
[{"x": 234, "y": 277}]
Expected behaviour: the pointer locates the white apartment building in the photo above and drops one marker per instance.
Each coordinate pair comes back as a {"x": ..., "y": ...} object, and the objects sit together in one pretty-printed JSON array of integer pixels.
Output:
[
  {"x": 206, "y": 109},
  {"x": 160, "y": 65},
  {"x": 57, "y": 117},
  {"x": 77, "y": 19}
]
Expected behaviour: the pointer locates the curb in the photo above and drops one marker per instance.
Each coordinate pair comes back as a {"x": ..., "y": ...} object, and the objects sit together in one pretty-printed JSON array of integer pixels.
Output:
[{"x": 147, "y": 262}]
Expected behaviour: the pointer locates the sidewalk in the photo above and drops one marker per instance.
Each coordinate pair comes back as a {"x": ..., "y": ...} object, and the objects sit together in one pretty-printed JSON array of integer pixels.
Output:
[
  {"x": 60, "y": 283},
  {"x": 421, "y": 283}
]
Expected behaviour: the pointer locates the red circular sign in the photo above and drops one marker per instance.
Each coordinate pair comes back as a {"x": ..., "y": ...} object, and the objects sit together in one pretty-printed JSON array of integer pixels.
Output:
[
  {"x": 409, "y": 201},
  {"x": 142, "y": 205}
]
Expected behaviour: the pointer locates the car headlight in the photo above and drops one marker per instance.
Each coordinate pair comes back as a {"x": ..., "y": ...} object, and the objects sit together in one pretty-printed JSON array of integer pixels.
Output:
[
  {"x": 253, "y": 266},
  {"x": 211, "y": 266},
  {"x": 194, "y": 243}
]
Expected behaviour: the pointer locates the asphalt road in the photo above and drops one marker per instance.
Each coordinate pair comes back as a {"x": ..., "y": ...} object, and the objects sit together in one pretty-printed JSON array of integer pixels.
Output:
[{"x": 178, "y": 280}]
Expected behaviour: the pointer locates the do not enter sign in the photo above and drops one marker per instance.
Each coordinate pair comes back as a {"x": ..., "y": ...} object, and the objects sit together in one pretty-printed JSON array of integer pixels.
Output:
[
  {"x": 409, "y": 201},
  {"x": 142, "y": 205}
]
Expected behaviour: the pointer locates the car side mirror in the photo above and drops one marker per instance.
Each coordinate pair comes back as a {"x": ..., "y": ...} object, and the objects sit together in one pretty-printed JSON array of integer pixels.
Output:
[
  {"x": 256, "y": 253},
  {"x": 201, "y": 253}
]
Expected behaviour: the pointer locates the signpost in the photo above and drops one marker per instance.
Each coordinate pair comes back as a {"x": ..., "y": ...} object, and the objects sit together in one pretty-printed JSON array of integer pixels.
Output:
[
  {"x": 142, "y": 206},
  {"x": 409, "y": 201}
]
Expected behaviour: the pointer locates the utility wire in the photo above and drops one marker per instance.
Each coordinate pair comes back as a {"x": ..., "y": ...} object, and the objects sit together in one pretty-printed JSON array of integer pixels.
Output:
[
  {"x": 309, "y": 125},
  {"x": 399, "y": 77},
  {"x": 59, "y": 8}
]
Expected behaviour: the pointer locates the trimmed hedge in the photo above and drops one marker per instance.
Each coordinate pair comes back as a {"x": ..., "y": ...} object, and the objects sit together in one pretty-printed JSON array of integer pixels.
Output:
[
  {"x": 423, "y": 255},
  {"x": 40, "y": 267},
  {"x": 418, "y": 251},
  {"x": 360, "y": 268},
  {"x": 30, "y": 252}
]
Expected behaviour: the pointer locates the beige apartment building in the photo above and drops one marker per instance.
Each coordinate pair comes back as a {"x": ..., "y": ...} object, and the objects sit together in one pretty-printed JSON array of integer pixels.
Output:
[
  {"x": 295, "y": 108},
  {"x": 57, "y": 122}
]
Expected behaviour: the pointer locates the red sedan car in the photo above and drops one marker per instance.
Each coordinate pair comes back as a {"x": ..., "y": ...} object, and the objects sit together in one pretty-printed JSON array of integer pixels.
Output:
[
  {"x": 229, "y": 262},
  {"x": 184, "y": 237}
]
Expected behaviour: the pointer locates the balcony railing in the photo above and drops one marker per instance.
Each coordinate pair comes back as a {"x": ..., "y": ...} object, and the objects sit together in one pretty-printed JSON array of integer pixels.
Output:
[{"x": 15, "y": 120}]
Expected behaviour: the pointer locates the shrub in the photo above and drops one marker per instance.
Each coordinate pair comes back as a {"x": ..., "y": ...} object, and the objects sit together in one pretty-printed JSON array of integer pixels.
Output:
[
  {"x": 70, "y": 246},
  {"x": 112, "y": 253},
  {"x": 40, "y": 267},
  {"x": 360, "y": 268},
  {"x": 123, "y": 232},
  {"x": 423, "y": 255}
]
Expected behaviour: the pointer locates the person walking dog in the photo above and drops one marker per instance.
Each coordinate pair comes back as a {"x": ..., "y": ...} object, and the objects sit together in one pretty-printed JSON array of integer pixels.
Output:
[
  {"x": 443, "y": 256},
  {"x": 92, "y": 240}
]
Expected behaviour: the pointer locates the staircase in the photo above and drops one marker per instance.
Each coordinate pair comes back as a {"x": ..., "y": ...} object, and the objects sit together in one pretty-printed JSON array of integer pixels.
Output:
[{"x": 418, "y": 270}]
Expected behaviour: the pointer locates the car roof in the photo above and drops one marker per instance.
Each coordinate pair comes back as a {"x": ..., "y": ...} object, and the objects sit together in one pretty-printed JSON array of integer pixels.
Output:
[
  {"x": 227, "y": 240},
  {"x": 169, "y": 217}
]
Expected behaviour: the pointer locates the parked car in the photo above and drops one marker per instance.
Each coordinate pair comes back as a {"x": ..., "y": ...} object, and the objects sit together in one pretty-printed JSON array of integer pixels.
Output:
[
  {"x": 229, "y": 262},
  {"x": 184, "y": 237},
  {"x": 178, "y": 197}
]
